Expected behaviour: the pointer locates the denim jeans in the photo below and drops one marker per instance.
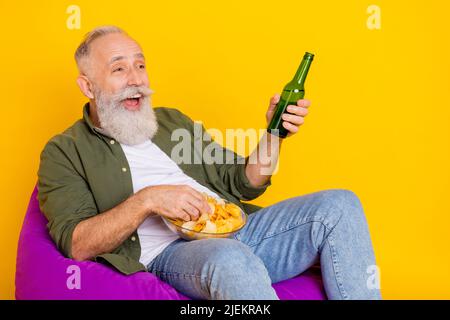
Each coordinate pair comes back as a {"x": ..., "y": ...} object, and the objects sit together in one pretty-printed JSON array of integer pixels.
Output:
[{"x": 277, "y": 243}]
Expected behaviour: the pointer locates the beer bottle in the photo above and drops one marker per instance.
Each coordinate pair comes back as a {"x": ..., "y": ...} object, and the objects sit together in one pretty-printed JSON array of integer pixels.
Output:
[{"x": 293, "y": 91}]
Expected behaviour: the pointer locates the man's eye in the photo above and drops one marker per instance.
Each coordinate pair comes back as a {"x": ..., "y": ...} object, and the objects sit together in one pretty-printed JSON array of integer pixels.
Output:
[
  {"x": 142, "y": 66},
  {"x": 117, "y": 69}
]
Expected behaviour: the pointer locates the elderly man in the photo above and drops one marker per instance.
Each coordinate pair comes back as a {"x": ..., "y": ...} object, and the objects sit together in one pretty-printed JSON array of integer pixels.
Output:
[{"x": 105, "y": 182}]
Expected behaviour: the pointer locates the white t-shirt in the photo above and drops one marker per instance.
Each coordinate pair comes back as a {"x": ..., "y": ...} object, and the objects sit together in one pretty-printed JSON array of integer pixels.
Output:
[{"x": 150, "y": 166}]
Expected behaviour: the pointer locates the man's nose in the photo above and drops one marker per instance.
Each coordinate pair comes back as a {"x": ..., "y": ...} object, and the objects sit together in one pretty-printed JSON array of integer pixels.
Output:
[{"x": 135, "y": 79}]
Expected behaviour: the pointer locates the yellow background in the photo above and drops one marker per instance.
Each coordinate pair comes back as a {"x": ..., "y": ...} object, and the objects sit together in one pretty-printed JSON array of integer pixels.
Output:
[{"x": 379, "y": 123}]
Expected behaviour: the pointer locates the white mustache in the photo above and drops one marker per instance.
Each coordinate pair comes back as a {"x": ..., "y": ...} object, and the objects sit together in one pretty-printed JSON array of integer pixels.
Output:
[{"x": 132, "y": 91}]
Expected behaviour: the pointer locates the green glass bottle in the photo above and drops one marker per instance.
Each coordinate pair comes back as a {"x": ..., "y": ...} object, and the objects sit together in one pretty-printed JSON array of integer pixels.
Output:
[{"x": 293, "y": 91}]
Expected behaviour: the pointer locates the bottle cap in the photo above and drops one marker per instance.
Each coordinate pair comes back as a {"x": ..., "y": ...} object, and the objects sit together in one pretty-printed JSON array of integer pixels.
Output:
[{"x": 308, "y": 56}]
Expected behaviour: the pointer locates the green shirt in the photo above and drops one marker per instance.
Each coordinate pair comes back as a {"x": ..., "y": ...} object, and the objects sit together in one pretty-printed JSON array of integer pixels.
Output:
[{"x": 83, "y": 173}]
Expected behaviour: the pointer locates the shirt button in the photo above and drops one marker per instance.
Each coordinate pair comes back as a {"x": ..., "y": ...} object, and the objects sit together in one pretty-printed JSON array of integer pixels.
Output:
[
  {"x": 112, "y": 142},
  {"x": 124, "y": 169},
  {"x": 133, "y": 238}
]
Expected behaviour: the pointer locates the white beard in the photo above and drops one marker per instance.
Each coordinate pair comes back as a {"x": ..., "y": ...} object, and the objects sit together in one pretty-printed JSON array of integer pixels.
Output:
[{"x": 125, "y": 126}]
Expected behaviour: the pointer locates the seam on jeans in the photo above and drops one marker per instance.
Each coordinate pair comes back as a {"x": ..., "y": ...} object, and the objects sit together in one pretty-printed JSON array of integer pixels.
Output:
[
  {"x": 336, "y": 269},
  {"x": 168, "y": 277},
  {"x": 178, "y": 274},
  {"x": 329, "y": 239}
]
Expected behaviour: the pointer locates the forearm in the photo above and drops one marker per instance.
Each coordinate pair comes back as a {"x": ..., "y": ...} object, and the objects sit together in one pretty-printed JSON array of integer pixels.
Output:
[
  {"x": 106, "y": 231},
  {"x": 263, "y": 160}
]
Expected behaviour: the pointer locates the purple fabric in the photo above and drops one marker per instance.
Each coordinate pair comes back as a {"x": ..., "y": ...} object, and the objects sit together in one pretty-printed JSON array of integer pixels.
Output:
[{"x": 42, "y": 273}]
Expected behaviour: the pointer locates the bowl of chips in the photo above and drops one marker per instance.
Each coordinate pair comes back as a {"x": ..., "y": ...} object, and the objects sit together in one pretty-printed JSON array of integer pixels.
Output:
[{"x": 224, "y": 220}]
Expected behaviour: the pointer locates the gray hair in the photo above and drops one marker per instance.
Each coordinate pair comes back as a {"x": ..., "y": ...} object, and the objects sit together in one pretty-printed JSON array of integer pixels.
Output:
[{"x": 83, "y": 49}]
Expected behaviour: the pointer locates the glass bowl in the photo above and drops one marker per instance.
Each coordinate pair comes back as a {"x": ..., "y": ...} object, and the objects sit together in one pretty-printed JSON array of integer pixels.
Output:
[{"x": 188, "y": 234}]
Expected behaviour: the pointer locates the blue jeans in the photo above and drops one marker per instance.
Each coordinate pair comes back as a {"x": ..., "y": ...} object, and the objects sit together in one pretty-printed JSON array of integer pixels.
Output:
[{"x": 277, "y": 243}]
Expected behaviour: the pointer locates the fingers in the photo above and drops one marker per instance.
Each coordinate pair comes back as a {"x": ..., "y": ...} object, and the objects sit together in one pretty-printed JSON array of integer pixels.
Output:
[
  {"x": 193, "y": 192},
  {"x": 193, "y": 202},
  {"x": 273, "y": 101},
  {"x": 198, "y": 200},
  {"x": 184, "y": 215},
  {"x": 192, "y": 211},
  {"x": 200, "y": 205},
  {"x": 299, "y": 111},
  {"x": 296, "y": 115},
  {"x": 174, "y": 213},
  {"x": 303, "y": 103},
  {"x": 290, "y": 127},
  {"x": 297, "y": 120}
]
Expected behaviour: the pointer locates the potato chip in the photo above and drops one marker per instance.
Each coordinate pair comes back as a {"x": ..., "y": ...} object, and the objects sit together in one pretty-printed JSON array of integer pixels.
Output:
[
  {"x": 199, "y": 226},
  {"x": 226, "y": 227},
  {"x": 203, "y": 217},
  {"x": 189, "y": 225},
  {"x": 210, "y": 227},
  {"x": 223, "y": 217},
  {"x": 233, "y": 209}
]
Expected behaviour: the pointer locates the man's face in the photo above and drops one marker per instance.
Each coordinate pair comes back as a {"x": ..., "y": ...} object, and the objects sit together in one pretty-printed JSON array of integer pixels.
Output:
[
  {"x": 117, "y": 62},
  {"x": 116, "y": 69}
]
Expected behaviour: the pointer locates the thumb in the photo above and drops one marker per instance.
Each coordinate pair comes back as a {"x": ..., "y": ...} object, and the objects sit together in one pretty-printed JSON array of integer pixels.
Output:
[{"x": 273, "y": 101}]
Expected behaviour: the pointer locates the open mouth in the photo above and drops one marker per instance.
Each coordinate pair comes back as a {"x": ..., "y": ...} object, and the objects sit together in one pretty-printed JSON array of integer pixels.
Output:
[{"x": 133, "y": 102}]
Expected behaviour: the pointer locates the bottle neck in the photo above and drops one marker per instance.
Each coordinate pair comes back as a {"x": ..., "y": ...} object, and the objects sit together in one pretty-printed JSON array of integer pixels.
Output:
[{"x": 302, "y": 72}]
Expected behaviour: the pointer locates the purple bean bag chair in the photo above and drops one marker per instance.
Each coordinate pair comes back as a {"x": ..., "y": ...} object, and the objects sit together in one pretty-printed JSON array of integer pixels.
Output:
[{"x": 42, "y": 272}]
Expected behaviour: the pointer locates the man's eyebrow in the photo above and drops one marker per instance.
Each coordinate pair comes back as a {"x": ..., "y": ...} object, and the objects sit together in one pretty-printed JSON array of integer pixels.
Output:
[
  {"x": 140, "y": 55},
  {"x": 117, "y": 58}
]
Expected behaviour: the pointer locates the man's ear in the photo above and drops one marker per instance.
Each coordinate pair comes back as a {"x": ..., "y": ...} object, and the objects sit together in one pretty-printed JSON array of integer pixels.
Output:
[{"x": 85, "y": 86}]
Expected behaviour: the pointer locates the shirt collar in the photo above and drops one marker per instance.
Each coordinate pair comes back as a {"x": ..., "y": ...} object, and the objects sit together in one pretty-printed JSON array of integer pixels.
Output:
[{"x": 98, "y": 131}]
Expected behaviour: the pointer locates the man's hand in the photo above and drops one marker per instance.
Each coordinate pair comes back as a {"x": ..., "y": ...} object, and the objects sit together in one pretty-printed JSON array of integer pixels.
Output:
[
  {"x": 292, "y": 120},
  {"x": 104, "y": 232},
  {"x": 175, "y": 201},
  {"x": 257, "y": 173}
]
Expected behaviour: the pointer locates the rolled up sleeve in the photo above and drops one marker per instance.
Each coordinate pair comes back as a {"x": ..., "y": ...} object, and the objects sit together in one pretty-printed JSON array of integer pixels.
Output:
[{"x": 63, "y": 193}]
